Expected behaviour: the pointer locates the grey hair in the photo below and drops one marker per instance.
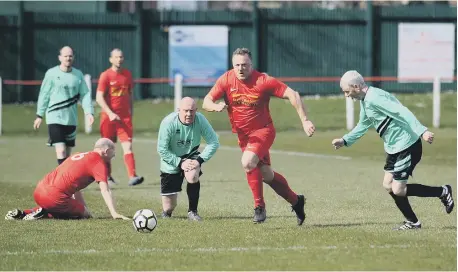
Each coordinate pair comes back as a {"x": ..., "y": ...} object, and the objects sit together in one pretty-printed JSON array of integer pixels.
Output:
[
  {"x": 352, "y": 78},
  {"x": 242, "y": 51}
]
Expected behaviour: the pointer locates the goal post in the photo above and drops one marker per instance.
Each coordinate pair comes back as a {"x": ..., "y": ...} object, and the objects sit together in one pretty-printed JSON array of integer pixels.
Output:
[
  {"x": 178, "y": 90},
  {"x": 87, "y": 125}
]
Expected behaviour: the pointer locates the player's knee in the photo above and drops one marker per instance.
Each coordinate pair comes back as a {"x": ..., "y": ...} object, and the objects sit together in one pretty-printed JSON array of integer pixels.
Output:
[
  {"x": 248, "y": 164},
  {"x": 387, "y": 186},
  {"x": 399, "y": 188},
  {"x": 267, "y": 174},
  {"x": 192, "y": 176}
]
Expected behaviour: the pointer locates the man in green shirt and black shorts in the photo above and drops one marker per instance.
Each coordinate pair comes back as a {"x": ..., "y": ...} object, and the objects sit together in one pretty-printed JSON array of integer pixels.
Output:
[
  {"x": 61, "y": 89},
  {"x": 178, "y": 144},
  {"x": 401, "y": 133}
]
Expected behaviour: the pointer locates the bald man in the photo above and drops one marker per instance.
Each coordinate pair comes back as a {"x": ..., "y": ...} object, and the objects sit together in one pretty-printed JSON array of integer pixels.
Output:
[
  {"x": 115, "y": 97},
  {"x": 53, "y": 193},
  {"x": 178, "y": 144},
  {"x": 62, "y": 87},
  {"x": 401, "y": 133}
]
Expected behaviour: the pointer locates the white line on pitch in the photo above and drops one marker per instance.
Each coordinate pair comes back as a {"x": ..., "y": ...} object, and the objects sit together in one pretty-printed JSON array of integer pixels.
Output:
[{"x": 212, "y": 249}]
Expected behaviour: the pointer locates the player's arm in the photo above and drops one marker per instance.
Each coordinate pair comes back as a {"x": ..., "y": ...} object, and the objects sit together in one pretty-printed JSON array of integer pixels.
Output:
[
  {"x": 45, "y": 94},
  {"x": 132, "y": 96},
  {"x": 163, "y": 146},
  {"x": 210, "y": 137},
  {"x": 398, "y": 112},
  {"x": 281, "y": 90},
  {"x": 85, "y": 97},
  {"x": 102, "y": 87},
  {"x": 214, "y": 95},
  {"x": 100, "y": 174},
  {"x": 359, "y": 130}
]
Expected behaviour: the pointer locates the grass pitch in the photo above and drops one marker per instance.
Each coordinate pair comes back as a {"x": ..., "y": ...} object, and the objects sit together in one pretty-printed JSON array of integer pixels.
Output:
[{"x": 349, "y": 215}]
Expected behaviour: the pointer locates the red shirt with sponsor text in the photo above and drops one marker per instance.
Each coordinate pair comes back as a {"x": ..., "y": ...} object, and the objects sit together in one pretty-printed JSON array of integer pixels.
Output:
[
  {"x": 248, "y": 101},
  {"x": 76, "y": 173},
  {"x": 117, "y": 88}
]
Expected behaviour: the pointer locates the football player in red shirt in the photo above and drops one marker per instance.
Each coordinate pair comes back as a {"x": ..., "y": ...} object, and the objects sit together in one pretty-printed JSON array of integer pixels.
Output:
[
  {"x": 246, "y": 93},
  {"x": 115, "y": 97},
  {"x": 54, "y": 192}
]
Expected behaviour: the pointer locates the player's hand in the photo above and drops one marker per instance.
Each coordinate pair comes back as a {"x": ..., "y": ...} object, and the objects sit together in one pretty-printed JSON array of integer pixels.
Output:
[
  {"x": 90, "y": 118},
  {"x": 113, "y": 116},
  {"x": 220, "y": 107},
  {"x": 37, "y": 123},
  {"x": 428, "y": 136},
  {"x": 338, "y": 143},
  {"x": 186, "y": 165},
  {"x": 119, "y": 216},
  {"x": 309, "y": 127}
]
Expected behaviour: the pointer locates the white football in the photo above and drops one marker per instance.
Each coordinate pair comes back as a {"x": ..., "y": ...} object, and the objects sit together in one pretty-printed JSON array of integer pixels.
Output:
[{"x": 145, "y": 221}]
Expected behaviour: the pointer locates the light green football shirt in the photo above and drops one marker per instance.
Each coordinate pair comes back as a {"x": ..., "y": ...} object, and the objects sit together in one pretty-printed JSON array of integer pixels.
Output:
[
  {"x": 396, "y": 124},
  {"x": 177, "y": 141},
  {"x": 59, "y": 95}
]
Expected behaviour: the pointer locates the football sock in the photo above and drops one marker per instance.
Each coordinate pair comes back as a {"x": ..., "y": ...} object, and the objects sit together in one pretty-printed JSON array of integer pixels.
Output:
[
  {"x": 193, "y": 190},
  {"x": 129, "y": 160},
  {"x": 281, "y": 187},
  {"x": 404, "y": 206},
  {"x": 424, "y": 190},
  {"x": 60, "y": 161},
  {"x": 254, "y": 178}
]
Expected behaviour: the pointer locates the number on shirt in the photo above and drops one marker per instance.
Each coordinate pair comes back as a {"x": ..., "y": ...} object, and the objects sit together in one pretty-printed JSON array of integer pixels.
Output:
[{"x": 78, "y": 156}]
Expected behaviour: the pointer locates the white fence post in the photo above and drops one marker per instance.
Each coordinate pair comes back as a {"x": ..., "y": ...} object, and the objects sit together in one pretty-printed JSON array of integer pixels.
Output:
[
  {"x": 87, "y": 126},
  {"x": 350, "y": 113},
  {"x": 436, "y": 102},
  {"x": 178, "y": 90}
]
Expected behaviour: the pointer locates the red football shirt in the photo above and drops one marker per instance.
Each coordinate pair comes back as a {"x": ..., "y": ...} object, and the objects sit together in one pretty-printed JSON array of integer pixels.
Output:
[
  {"x": 77, "y": 172},
  {"x": 117, "y": 88},
  {"x": 248, "y": 101}
]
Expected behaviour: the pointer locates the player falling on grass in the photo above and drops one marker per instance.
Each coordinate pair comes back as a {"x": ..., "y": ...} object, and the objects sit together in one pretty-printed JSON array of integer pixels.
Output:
[
  {"x": 60, "y": 91},
  {"x": 115, "y": 97},
  {"x": 402, "y": 133},
  {"x": 246, "y": 94},
  {"x": 53, "y": 193},
  {"x": 178, "y": 143}
]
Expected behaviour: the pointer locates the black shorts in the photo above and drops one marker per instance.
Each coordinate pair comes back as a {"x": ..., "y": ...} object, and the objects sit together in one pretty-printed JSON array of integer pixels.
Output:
[
  {"x": 61, "y": 134},
  {"x": 171, "y": 183},
  {"x": 403, "y": 163}
]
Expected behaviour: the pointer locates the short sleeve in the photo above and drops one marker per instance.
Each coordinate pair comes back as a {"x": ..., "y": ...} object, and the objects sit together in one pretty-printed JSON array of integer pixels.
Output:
[
  {"x": 275, "y": 87},
  {"x": 103, "y": 83},
  {"x": 100, "y": 171},
  {"x": 219, "y": 88}
]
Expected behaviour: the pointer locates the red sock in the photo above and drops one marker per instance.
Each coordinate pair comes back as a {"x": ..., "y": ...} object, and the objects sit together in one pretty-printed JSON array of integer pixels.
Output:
[
  {"x": 281, "y": 187},
  {"x": 254, "y": 178},
  {"x": 130, "y": 164}
]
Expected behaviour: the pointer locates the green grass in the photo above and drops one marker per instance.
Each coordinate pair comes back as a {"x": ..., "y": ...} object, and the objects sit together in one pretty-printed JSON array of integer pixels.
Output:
[{"x": 348, "y": 226}]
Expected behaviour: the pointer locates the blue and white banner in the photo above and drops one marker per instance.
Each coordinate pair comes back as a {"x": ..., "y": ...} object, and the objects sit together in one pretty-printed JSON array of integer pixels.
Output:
[{"x": 198, "y": 53}]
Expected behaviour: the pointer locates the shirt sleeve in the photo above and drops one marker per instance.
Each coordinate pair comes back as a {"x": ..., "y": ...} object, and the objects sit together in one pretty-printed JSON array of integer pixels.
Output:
[
  {"x": 390, "y": 106},
  {"x": 86, "y": 97},
  {"x": 361, "y": 128},
  {"x": 219, "y": 88},
  {"x": 210, "y": 137},
  {"x": 100, "y": 171},
  {"x": 103, "y": 83},
  {"x": 275, "y": 87},
  {"x": 163, "y": 145},
  {"x": 45, "y": 93}
]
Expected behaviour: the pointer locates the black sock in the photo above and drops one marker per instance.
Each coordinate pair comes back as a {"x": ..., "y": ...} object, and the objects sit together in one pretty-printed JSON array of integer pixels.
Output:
[
  {"x": 60, "y": 161},
  {"x": 404, "y": 206},
  {"x": 424, "y": 191},
  {"x": 193, "y": 190}
]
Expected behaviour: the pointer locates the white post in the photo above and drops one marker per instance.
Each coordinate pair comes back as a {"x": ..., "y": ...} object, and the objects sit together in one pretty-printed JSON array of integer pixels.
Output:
[
  {"x": 350, "y": 112},
  {"x": 436, "y": 101},
  {"x": 87, "y": 127},
  {"x": 1, "y": 104},
  {"x": 178, "y": 90}
]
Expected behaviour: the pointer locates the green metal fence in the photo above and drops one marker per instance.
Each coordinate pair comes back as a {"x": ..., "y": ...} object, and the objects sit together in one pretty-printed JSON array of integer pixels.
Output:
[{"x": 308, "y": 42}]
